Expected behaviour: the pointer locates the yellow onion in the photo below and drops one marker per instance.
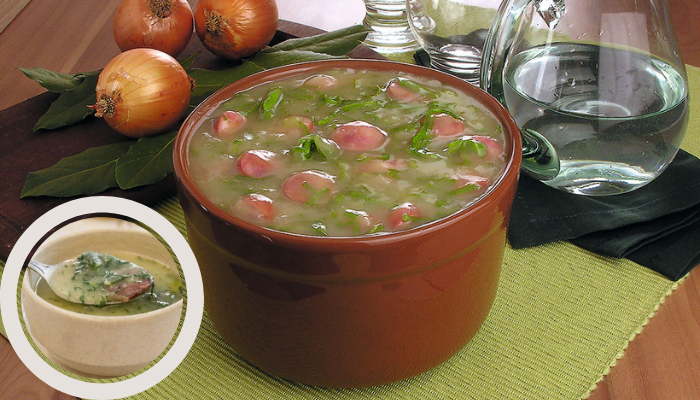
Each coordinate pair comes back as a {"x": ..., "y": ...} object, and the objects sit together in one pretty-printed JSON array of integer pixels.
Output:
[
  {"x": 235, "y": 29},
  {"x": 164, "y": 25},
  {"x": 142, "y": 92}
]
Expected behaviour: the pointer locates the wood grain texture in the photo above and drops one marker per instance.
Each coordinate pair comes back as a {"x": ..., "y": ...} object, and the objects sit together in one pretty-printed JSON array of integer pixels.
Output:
[
  {"x": 16, "y": 382},
  {"x": 663, "y": 362},
  {"x": 9, "y": 10}
]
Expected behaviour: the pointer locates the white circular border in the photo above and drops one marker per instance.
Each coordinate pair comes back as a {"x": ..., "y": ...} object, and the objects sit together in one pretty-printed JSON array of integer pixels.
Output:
[{"x": 77, "y": 208}]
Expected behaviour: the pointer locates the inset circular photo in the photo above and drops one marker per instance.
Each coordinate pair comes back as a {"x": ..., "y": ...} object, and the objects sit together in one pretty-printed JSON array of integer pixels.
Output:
[
  {"x": 102, "y": 297},
  {"x": 110, "y": 298}
]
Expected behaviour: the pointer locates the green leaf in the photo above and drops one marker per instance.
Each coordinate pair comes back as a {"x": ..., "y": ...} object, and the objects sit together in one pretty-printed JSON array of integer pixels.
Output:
[
  {"x": 89, "y": 172},
  {"x": 207, "y": 82},
  {"x": 338, "y": 42},
  {"x": 148, "y": 161},
  {"x": 269, "y": 105},
  {"x": 56, "y": 82},
  {"x": 71, "y": 106},
  {"x": 422, "y": 138},
  {"x": 370, "y": 105},
  {"x": 315, "y": 144},
  {"x": 417, "y": 88},
  {"x": 187, "y": 62},
  {"x": 465, "y": 145},
  {"x": 280, "y": 58}
]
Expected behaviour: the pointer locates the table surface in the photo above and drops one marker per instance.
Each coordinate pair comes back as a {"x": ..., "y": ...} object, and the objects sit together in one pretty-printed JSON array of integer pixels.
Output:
[{"x": 663, "y": 362}]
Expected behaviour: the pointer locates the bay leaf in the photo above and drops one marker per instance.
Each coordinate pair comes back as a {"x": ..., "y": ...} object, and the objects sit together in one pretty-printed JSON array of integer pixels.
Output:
[
  {"x": 187, "y": 62},
  {"x": 209, "y": 81},
  {"x": 280, "y": 58},
  {"x": 148, "y": 161},
  {"x": 337, "y": 43},
  {"x": 89, "y": 172},
  {"x": 56, "y": 82},
  {"x": 71, "y": 106}
]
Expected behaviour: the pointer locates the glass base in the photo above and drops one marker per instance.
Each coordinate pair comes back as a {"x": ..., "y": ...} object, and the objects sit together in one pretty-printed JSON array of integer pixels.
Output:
[
  {"x": 391, "y": 43},
  {"x": 599, "y": 179},
  {"x": 389, "y": 24}
]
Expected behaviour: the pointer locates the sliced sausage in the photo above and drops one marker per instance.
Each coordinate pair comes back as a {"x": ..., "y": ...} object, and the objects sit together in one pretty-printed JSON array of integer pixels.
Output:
[
  {"x": 306, "y": 186},
  {"x": 382, "y": 166},
  {"x": 494, "y": 150},
  {"x": 360, "y": 220},
  {"x": 255, "y": 208},
  {"x": 402, "y": 215},
  {"x": 321, "y": 81},
  {"x": 258, "y": 163},
  {"x": 447, "y": 125},
  {"x": 359, "y": 136},
  {"x": 227, "y": 123},
  {"x": 398, "y": 92},
  {"x": 464, "y": 180},
  {"x": 295, "y": 126}
]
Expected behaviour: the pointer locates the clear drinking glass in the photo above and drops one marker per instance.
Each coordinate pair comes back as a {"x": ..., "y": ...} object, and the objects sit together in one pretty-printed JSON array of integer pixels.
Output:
[
  {"x": 453, "y": 32},
  {"x": 597, "y": 87},
  {"x": 390, "y": 31}
]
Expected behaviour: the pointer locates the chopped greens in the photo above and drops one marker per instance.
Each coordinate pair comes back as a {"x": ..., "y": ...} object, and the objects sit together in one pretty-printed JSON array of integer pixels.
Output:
[{"x": 311, "y": 145}]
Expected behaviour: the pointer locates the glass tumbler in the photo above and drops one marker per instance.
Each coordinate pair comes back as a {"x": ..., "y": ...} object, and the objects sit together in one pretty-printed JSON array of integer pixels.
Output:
[
  {"x": 597, "y": 87},
  {"x": 390, "y": 31},
  {"x": 453, "y": 32}
]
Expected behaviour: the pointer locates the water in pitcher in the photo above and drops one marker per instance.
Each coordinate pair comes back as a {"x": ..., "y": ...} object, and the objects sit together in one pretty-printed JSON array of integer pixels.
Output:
[{"x": 615, "y": 117}]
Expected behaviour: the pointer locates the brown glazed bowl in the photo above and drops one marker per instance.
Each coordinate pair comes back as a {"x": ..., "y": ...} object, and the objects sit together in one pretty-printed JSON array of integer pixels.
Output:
[{"x": 349, "y": 312}]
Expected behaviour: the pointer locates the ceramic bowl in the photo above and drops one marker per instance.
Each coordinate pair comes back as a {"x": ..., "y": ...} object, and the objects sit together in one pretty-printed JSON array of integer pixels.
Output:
[
  {"x": 98, "y": 346},
  {"x": 349, "y": 312}
]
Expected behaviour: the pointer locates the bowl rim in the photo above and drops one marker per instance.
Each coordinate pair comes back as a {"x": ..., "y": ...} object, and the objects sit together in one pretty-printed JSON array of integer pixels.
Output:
[
  {"x": 26, "y": 287},
  {"x": 329, "y": 243}
]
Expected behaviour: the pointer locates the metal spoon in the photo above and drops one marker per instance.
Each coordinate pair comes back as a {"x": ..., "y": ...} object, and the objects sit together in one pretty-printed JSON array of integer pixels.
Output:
[{"x": 131, "y": 281}]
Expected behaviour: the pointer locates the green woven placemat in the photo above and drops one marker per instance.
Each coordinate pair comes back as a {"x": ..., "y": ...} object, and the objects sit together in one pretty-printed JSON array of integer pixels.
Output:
[{"x": 561, "y": 319}]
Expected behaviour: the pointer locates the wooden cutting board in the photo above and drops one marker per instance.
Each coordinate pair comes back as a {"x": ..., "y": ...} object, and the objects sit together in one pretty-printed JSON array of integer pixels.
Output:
[{"x": 23, "y": 151}]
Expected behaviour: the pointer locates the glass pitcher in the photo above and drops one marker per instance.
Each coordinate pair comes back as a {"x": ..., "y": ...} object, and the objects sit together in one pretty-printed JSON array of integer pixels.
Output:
[{"x": 597, "y": 87}]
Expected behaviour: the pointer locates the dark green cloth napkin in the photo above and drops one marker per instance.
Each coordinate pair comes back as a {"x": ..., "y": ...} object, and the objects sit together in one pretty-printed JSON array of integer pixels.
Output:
[{"x": 657, "y": 226}]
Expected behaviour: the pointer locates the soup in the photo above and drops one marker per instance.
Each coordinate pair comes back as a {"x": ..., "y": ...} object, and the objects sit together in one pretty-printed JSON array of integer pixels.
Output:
[
  {"x": 166, "y": 290},
  {"x": 347, "y": 152}
]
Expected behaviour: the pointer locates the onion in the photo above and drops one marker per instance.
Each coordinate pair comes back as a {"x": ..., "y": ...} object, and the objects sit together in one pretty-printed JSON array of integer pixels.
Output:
[
  {"x": 142, "y": 92},
  {"x": 235, "y": 29},
  {"x": 164, "y": 25}
]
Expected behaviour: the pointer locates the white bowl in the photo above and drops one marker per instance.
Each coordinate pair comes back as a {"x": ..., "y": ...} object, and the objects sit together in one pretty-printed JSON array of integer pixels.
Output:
[{"x": 98, "y": 346}]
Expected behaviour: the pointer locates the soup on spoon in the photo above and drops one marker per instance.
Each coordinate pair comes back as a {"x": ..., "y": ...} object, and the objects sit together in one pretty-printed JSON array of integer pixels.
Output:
[{"x": 95, "y": 279}]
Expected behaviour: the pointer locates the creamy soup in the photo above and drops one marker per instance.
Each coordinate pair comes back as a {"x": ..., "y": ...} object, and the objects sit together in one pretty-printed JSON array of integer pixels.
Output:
[
  {"x": 347, "y": 152},
  {"x": 166, "y": 289}
]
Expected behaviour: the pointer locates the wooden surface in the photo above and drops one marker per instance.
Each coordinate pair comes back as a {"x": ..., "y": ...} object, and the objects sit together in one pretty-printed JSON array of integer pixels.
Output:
[{"x": 663, "y": 362}]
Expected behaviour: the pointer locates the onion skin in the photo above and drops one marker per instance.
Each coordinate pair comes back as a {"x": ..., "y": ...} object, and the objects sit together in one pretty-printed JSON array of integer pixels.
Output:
[
  {"x": 142, "y": 92},
  {"x": 164, "y": 25},
  {"x": 235, "y": 29}
]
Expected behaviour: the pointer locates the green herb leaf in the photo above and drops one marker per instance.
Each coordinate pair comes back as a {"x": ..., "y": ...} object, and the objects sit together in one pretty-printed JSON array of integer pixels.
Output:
[
  {"x": 207, "y": 82},
  {"x": 89, "y": 172},
  {"x": 315, "y": 144},
  {"x": 56, "y": 82},
  {"x": 187, "y": 62},
  {"x": 370, "y": 105},
  {"x": 415, "y": 87},
  {"x": 148, "y": 161},
  {"x": 338, "y": 42},
  {"x": 71, "y": 106},
  {"x": 465, "y": 145},
  {"x": 319, "y": 228},
  {"x": 280, "y": 58},
  {"x": 422, "y": 138},
  {"x": 470, "y": 187},
  {"x": 270, "y": 103}
]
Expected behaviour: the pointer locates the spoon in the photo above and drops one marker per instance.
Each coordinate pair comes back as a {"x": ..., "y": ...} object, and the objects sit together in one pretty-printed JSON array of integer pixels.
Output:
[{"x": 95, "y": 279}]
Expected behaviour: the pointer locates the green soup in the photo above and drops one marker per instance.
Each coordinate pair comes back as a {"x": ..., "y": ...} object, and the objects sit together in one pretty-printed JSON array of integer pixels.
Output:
[
  {"x": 166, "y": 290},
  {"x": 347, "y": 152}
]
